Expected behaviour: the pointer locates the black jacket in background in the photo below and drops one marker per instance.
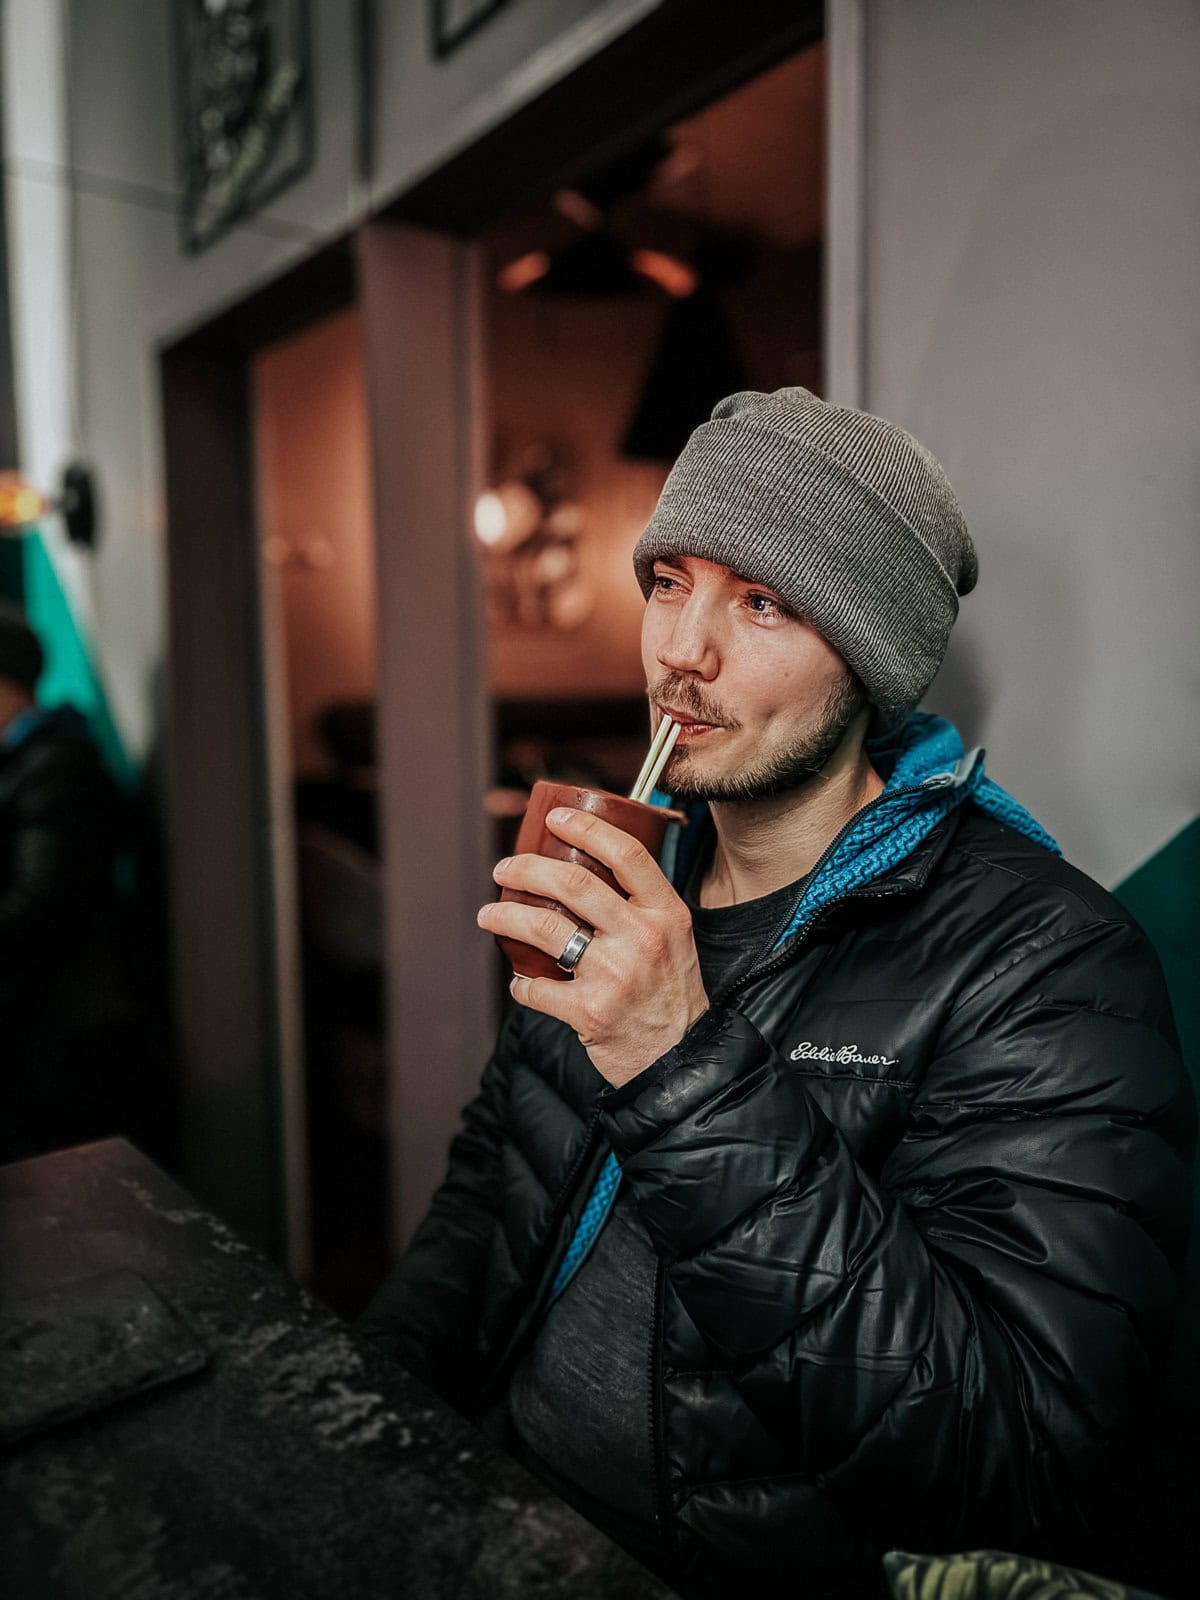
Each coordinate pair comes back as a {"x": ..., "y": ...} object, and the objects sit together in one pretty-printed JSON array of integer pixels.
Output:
[
  {"x": 63, "y": 999},
  {"x": 918, "y": 1191}
]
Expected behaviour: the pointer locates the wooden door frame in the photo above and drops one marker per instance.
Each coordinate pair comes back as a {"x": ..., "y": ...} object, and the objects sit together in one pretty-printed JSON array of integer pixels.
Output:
[
  {"x": 844, "y": 314},
  {"x": 420, "y": 303}
]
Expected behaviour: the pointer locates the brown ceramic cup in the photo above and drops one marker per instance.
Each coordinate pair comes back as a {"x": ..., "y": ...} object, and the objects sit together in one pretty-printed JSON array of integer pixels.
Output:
[{"x": 647, "y": 824}]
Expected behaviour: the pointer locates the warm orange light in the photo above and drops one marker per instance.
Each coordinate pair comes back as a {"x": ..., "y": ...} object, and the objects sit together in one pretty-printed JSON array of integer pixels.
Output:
[
  {"x": 20, "y": 503},
  {"x": 526, "y": 269},
  {"x": 577, "y": 208},
  {"x": 668, "y": 272}
]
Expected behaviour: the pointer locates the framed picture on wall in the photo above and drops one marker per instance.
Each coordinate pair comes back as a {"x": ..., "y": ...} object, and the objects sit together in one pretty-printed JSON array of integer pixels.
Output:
[
  {"x": 243, "y": 75},
  {"x": 456, "y": 20}
]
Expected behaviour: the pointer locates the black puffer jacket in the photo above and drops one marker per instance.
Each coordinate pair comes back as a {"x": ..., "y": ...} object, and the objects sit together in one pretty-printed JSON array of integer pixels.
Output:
[
  {"x": 918, "y": 1191},
  {"x": 64, "y": 1002}
]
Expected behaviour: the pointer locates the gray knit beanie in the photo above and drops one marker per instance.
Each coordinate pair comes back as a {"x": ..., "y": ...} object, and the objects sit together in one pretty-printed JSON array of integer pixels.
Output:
[{"x": 845, "y": 516}]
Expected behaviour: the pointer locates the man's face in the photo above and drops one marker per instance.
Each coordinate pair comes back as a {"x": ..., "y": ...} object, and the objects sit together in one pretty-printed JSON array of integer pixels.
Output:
[{"x": 763, "y": 699}]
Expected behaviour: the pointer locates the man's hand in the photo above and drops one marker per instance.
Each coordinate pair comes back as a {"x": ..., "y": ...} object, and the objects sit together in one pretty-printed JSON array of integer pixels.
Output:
[{"x": 637, "y": 987}]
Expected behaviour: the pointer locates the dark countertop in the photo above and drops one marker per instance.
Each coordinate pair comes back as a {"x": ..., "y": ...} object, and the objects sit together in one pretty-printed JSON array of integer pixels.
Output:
[{"x": 293, "y": 1462}]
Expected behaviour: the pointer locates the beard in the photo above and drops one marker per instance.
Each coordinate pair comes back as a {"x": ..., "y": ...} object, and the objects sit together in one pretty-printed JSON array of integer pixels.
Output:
[{"x": 775, "y": 772}]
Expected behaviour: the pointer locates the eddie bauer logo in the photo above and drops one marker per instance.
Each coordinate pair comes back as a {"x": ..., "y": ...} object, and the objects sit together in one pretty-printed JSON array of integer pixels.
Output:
[{"x": 844, "y": 1055}]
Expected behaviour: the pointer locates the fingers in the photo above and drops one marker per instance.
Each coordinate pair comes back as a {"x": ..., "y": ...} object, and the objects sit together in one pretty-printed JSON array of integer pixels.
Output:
[
  {"x": 584, "y": 894},
  {"x": 634, "y": 868},
  {"x": 546, "y": 995},
  {"x": 541, "y": 926}
]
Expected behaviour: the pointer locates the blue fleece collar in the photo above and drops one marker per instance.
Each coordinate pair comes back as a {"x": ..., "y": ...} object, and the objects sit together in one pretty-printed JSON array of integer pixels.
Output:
[
  {"x": 930, "y": 776},
  {"x": 927, "y": 775}
]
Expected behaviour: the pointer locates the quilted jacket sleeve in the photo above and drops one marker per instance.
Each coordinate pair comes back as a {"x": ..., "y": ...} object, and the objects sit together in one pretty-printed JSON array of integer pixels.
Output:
[
  {"x": 427, "y": 1312},
  {"x": 956, "y": 1341}
]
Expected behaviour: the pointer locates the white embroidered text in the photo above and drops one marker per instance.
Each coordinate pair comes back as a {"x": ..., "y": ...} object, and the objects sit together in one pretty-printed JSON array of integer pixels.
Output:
[{"x": 844, "y": 1055}]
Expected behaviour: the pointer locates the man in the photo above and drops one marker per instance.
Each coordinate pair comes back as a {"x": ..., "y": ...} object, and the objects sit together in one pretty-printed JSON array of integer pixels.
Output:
[
  {"x": 838, "y": 1202},
  {"x": 65, "y": 1020}
]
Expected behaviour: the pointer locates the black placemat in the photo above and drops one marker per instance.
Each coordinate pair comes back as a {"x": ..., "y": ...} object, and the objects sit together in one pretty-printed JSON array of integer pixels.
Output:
[{"x": 85, "y": 1345}]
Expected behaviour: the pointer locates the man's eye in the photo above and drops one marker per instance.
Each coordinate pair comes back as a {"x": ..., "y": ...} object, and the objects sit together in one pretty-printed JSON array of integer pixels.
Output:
[
  {"x": 766, "y": 605},
  {"x": 662, "y": 583}
]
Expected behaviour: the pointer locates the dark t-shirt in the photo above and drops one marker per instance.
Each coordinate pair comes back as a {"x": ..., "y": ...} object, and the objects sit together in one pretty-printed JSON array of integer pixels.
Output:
[
  {"x": 580, "y": 1405},
  {"x": 731, "y": 939}
]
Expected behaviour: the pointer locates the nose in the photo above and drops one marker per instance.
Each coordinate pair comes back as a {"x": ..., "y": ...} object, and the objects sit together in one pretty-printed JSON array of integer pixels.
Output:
[{"x": 690, "y": 643}]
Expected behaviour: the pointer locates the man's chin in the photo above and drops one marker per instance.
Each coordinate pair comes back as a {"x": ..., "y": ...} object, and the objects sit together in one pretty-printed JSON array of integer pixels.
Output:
[
  {"x": 686, "y": 778},
  {"x": 735, "y": 791},
  {"x": 689, "y": 779}
]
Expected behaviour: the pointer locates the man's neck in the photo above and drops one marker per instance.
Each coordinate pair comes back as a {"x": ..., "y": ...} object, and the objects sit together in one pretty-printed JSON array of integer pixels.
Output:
[{"x": 764, "y": 844}]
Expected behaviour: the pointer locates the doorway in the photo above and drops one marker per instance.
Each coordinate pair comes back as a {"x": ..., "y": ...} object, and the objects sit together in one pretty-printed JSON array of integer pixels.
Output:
[
  {"x": 236, "y": 949},
  {"x": 317, "y": 581}
]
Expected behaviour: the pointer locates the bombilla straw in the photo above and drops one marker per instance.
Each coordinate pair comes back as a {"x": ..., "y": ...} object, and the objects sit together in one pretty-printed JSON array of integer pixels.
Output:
[
  {"x": 656, "y": 760},
  {"x": 656, "y": 744}
]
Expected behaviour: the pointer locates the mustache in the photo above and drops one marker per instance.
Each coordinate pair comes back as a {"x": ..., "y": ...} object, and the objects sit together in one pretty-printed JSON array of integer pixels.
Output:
[{"x": 682, "y": 693}]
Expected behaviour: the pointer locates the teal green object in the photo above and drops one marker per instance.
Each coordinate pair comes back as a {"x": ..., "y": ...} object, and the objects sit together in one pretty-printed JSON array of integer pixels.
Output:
[
  {"x": 71, "y": 676},
  {"x": 1164, "y": 895}
]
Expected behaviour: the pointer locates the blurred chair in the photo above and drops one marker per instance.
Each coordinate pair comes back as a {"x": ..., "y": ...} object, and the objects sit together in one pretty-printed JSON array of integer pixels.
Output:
[
  {"x": 341, "y": 900},
  {"x": 342, "y": 929}
]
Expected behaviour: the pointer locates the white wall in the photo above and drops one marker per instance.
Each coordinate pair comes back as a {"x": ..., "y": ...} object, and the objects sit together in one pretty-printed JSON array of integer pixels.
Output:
[
  {"x": 1032, "y": 242},
  {"x": 97, "y": 268},
  {"x": 37, "y": 216}
]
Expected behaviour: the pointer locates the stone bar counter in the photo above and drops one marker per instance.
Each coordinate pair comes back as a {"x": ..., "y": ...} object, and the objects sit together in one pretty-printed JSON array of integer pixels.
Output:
[{"x": 179, "y": 1421}]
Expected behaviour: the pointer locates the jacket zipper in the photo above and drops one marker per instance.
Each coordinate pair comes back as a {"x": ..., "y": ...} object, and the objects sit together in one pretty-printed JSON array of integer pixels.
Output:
[
  {"x": 771, "y": 966},
  {"x": 663, "y": 1510},
  {"x": 561, "y": 1200}
]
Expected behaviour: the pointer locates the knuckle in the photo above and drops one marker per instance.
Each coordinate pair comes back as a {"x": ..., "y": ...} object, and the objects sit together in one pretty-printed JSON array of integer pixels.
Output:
[
  {"x": 594, "y": 1020},
  {"x": 549, "y": 926},
  {"x": 629, "y": 850},
  {"x": 624, "y": 986},
  {"x": 578, "y": 880}
]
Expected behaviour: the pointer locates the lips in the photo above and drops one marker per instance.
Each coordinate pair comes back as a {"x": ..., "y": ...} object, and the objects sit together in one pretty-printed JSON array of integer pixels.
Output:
[{"x": 689, "y": 726}]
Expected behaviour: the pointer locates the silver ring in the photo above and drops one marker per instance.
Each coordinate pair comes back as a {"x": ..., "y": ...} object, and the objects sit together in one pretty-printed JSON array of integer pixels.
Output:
[{"x": 573, "y": 949}]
